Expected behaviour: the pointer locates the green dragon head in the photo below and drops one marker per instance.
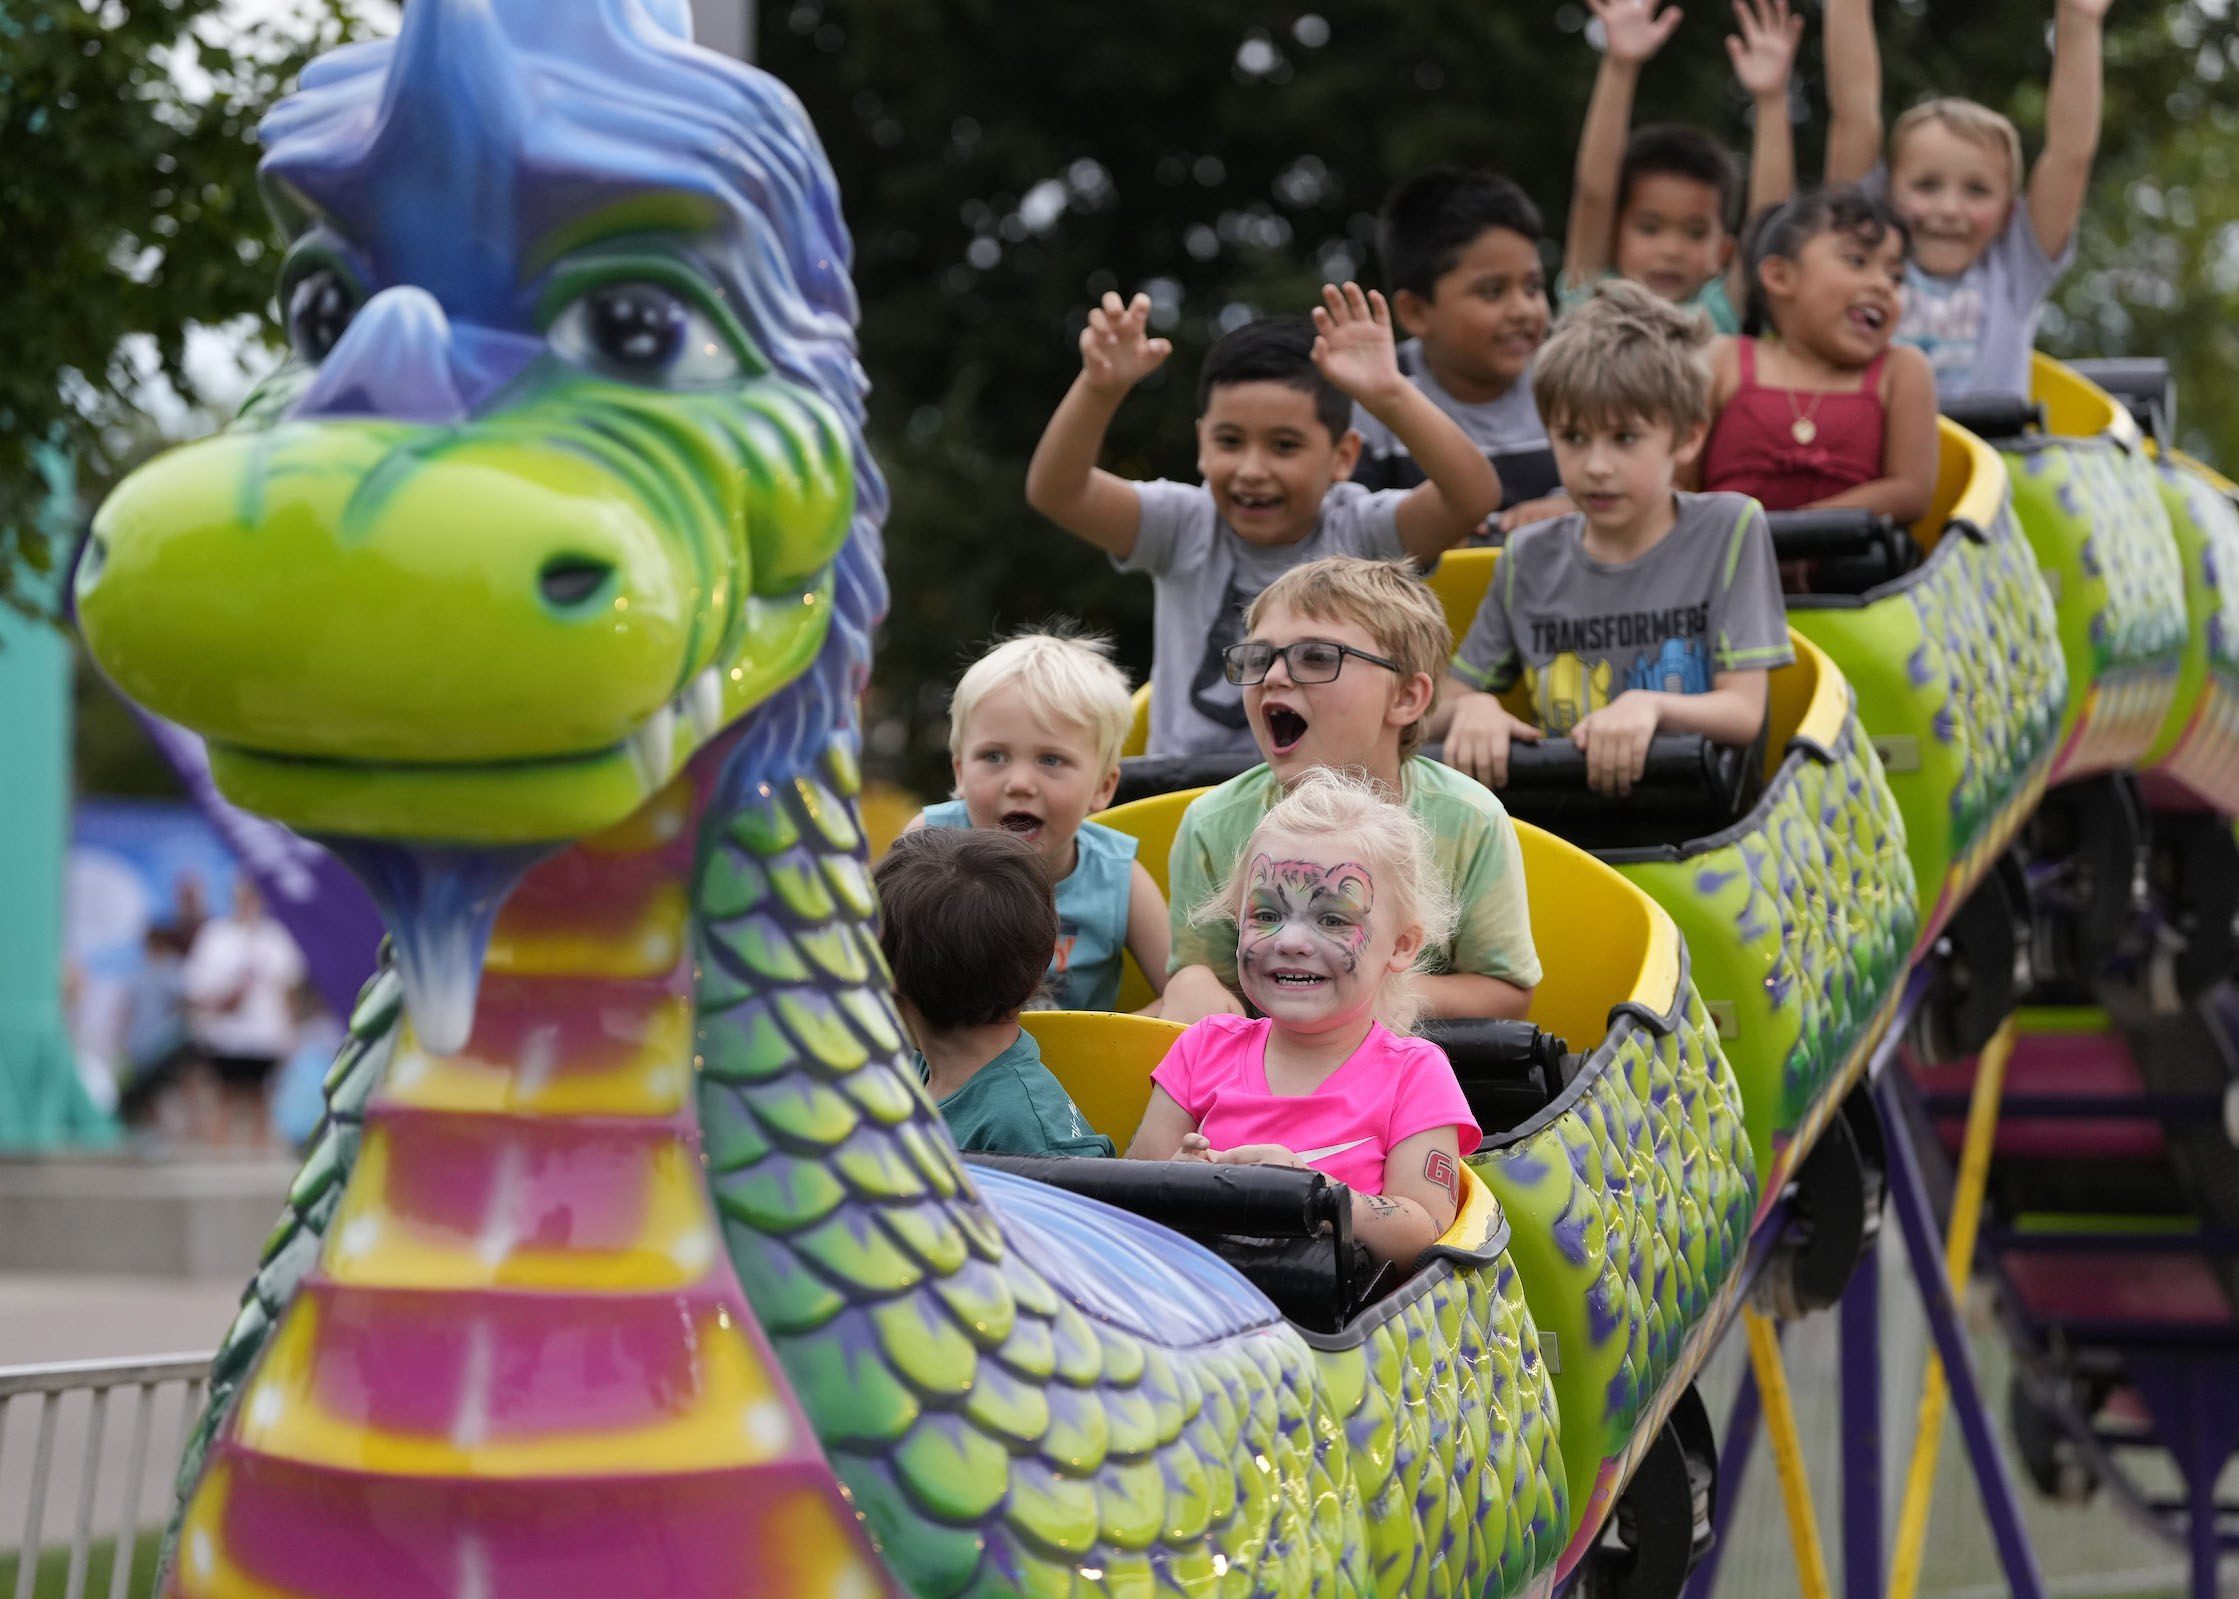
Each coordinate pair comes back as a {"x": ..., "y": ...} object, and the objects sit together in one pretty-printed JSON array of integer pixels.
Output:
[{"x": 566, "y": 472}]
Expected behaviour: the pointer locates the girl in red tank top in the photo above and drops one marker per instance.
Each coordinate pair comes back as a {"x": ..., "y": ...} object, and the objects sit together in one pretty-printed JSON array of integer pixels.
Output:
[{"x": 1817, "y": 409}]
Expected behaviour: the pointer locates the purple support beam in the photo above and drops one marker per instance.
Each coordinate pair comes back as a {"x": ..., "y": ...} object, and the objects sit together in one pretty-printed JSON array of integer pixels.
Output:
[
  {"x": 1908, "y": 1193},
  {"x": 1737, "y": 1442},
  {"x": 1861, "y": 1433},
  {"x": 2194, "y": 1407}
]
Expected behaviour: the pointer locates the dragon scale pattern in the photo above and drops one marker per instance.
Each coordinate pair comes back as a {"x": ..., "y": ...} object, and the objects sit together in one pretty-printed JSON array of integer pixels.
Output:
[{"x": 1006, "y": 1426}]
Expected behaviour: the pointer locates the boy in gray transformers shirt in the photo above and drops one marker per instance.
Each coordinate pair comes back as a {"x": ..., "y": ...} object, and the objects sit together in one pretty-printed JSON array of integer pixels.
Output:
[
  {"x": 1646, "y": 610},
  {"x": 1274, "y": 403}
]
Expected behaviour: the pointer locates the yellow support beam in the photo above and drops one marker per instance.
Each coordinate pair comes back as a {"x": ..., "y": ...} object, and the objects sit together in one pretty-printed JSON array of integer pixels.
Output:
[
  {"x": 1788, "y": 1453},
  {"x": 1959, "y": 1255}
]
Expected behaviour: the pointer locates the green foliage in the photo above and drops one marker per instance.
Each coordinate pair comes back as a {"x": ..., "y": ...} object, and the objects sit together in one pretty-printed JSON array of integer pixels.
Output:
[
  {"x": 130, "y": 205},
  {"x": 1001, "y": 171}
]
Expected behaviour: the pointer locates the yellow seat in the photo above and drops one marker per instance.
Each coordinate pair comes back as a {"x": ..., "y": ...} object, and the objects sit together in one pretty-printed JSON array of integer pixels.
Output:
[
  {"x": 1104, "y": 1061},
  {"x": 1460, "y": 580},
  {"x": 1138, "y": 739},
  {"x": 1152, "y": 823}
]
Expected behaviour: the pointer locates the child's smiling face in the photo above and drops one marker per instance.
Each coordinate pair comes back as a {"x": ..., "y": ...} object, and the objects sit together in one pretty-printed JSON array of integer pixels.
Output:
[
  {"x": 1955, "y": 192},
  {"x": 1269, "y": 460},
  {"x": 1486, "y": 317},
  {"x": 1672, "y": 234},
  {"x": 1025, "y": 774},
  {"x": 1313, "y": 946}
]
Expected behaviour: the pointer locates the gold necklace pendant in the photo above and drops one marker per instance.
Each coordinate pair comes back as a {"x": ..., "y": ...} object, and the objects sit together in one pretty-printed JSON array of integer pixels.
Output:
[{"x": 1804, "y": 429}]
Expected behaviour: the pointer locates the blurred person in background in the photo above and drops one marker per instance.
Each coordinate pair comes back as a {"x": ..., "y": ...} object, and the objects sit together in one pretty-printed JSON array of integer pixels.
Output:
[{"x": 240, "y": 976}]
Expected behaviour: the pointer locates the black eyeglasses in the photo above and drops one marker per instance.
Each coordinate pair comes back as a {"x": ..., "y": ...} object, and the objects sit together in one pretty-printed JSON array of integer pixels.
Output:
[{"x": 1313, "y": 660}]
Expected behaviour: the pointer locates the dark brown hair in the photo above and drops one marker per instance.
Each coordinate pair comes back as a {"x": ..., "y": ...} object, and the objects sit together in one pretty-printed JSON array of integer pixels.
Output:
[{"x": 967, "y": 924}]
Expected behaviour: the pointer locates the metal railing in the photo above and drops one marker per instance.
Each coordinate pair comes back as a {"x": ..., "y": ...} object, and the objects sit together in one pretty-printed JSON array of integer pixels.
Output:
[{"x": 74, "y": 1417}]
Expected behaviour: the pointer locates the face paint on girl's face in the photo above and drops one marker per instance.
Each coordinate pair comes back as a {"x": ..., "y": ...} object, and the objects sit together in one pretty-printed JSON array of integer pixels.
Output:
[{"x": 1307, "y": 938}]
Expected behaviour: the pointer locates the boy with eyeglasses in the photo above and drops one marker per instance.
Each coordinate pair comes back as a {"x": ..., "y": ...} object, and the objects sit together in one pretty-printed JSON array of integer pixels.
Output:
[
  {"x": 1341, "y": 661},
  {"x": 1276, "y": 444}
]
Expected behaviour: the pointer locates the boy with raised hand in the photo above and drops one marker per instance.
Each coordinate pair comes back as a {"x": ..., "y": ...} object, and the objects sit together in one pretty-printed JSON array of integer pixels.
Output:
[
  {"x": 1339, "y": 668},
  {"x": 1646, "y": 610},
  {"x": 1460, "y": 253},
  {"x": 1275, "y": 444},
  {"x": 1985, "y": 254},
  {"x": 1657, "y": 205}
]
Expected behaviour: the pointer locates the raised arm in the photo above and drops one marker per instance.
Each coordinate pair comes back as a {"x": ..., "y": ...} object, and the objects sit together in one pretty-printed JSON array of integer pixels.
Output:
[
  {"x": 2072, "y": 115},
  {"x": 1764, "y": 57},
  {"x": 1354, "y": 350},
  {"x": 1853, "y": 57},
  {"x": 1632, "y": 32},
  {"x": 1063, "y": 481}
]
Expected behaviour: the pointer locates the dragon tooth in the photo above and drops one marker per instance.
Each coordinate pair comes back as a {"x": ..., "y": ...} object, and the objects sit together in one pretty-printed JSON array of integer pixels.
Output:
[
  {"x": 652, "y": 745},
  {"x": 702, "y": 700}
]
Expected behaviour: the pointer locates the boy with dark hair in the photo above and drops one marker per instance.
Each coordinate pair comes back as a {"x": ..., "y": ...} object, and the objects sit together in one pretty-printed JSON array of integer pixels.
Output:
[
  {"x": 1659, "y": 207},
  {"x": 1273, "y": 441},
  {"x": 967, "y": 924},
  {"x": 1460, "y": 252}
]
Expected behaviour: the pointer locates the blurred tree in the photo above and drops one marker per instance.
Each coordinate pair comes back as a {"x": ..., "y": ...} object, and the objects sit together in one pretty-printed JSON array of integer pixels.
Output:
[
  {"x": 1001, "y": 172},
  {"x": 128, "y": 212}
]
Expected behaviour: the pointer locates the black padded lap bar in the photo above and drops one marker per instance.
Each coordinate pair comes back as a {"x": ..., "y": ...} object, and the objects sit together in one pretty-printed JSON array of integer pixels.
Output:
[
  {"x": 2142, "y": 383},
  {"x": 1996, "y": 418},
  {"x": 1816, "y": 535},
  {"x": 1524, "y": 474},
  {"x": 1509, "y": 1071},
  {"x": 1190, "y": 1196},
  {"x": 1849, "y": 551}
]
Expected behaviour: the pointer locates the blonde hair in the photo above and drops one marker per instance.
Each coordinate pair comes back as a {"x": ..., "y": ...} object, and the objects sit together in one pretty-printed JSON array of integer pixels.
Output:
[
  {"x": 1386, "y": 837},
  {"x": 1387, "y": 601},
  {"x": 1628, "y": 352},
  {"x": 1977, "y": 124},
  {"x": 1063, "y": 676}
]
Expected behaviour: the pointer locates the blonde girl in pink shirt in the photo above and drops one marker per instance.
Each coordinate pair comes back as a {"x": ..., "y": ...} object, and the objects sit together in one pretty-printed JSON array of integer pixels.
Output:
[{"x": 1334, "y": 900}]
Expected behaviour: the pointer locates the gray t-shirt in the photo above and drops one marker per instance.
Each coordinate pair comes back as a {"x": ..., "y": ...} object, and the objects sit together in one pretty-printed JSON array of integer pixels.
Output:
[
  {"x": 1206, "y": 575},
  {"x": 1977, "y": 328},
  {"x": 1498, "y": 427},
  {"x": 1705, "y": 600}
]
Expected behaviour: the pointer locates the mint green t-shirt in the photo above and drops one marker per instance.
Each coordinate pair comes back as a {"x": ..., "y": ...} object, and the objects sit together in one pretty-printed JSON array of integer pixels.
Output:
[
  {"x": 1013, "y": 1106},
  {"x": 1471, "y": 837},
  {"x": 1711, "y": 299}
]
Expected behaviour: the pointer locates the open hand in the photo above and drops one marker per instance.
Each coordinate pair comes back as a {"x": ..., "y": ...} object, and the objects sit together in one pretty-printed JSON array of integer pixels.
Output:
[
  {"x": 1117, "y": 351},
  {"x": 1764, "y": 51},
  {"x": 1477, "y": 741},
  {"x": 1353, "y": 347},
  {"x": 1615, "y": 740},
  {"x": 1633, "y": 30}
]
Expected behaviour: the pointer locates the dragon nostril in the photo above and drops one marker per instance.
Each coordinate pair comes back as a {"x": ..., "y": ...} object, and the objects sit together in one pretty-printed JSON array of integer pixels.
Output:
[{"x": 571, "y": 581}]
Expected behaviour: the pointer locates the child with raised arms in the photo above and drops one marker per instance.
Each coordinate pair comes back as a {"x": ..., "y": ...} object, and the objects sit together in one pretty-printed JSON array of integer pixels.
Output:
[
  {"x": 1034, "y": 734},
  {"x": 1646, "y": 610},
  {"x": 1815, "y": 409},
  {"x": 1339, "y": 667},
  {"x": 1334, "y": 901},
  {"x": 1275, "y": 444},
  {"x": 1986, "y": 248},
  {"x": 1659, "y": 204}
]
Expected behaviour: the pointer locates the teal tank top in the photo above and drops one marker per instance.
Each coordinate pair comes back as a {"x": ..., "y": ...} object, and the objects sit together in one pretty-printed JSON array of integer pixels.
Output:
[{"x": 1091, "y": 911}]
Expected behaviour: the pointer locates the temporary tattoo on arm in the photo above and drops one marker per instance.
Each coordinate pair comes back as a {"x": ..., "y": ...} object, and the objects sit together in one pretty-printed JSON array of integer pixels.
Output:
[
  {"x": 1378, "y": 1203},
  {"x": 1329, "y": 905},
  {"x": 1439, "y": 1170}
]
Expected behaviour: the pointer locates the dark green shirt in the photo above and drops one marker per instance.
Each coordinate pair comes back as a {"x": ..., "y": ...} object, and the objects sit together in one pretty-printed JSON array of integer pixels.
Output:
[{"x": 1013, "y": 1106}]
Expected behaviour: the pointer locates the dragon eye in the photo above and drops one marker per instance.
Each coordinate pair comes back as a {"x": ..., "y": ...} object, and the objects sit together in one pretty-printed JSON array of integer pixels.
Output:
[
  {"x": 643, "y": 333},
  {"x": 319, "y": 310}
]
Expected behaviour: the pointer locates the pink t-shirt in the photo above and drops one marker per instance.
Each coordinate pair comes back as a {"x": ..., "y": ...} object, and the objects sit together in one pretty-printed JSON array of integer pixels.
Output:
[{"x": 1388, "y": 1091}]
